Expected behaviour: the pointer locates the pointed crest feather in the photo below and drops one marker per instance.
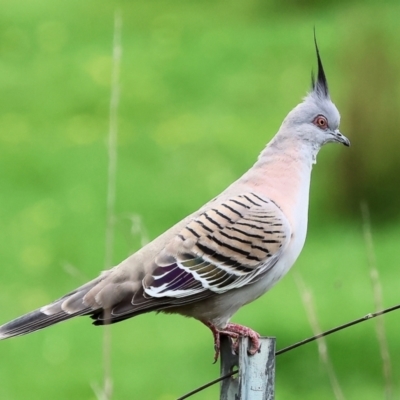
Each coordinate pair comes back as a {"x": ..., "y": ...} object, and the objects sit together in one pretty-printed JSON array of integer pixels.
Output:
[{"x": 319, "y": 86}]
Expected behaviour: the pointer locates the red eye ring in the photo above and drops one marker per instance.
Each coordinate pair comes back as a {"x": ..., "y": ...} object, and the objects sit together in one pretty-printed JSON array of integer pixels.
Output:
[{"x": 321, "y": 122}]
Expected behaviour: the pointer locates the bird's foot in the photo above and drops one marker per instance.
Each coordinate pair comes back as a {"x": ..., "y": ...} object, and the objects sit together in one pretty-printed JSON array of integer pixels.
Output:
[
  {"x": 240, "y": 330},
  {"x": 234, "y": 331}
]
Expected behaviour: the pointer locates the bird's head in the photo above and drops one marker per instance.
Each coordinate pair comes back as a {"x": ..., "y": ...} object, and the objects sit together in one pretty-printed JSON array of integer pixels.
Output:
[{"x": 316, "y": 119}]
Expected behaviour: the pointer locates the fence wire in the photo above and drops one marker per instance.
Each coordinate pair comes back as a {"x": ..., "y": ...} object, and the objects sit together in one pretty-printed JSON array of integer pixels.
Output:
[{"x": 295, "y": 345}]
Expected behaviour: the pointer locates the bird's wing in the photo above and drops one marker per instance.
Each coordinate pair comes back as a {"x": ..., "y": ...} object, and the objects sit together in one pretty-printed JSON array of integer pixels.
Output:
[
  {"x": 224, "y": 248},
  {"x": 229, "y": 245}
]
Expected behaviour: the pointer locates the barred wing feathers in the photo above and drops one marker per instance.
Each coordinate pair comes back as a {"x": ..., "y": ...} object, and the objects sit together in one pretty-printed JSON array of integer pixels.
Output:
[{"x": 226, "y": 247}]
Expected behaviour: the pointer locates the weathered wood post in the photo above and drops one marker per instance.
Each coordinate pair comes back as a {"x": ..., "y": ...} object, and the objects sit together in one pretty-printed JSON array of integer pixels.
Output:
[{"x": 256, "y": 377}]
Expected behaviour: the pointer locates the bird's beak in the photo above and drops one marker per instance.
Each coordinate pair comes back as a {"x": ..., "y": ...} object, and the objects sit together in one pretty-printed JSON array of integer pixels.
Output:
[{"x": 338, "y": 137}]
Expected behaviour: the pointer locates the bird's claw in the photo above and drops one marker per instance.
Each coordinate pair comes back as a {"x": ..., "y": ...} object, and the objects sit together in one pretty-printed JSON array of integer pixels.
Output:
[{"x": 234, "y": 331}]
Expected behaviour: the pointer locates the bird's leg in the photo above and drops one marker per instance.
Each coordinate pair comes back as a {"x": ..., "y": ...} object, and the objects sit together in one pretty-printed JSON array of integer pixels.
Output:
[
  {"x": 217, "y": 338},
  {"x": 234, "y": 331}
]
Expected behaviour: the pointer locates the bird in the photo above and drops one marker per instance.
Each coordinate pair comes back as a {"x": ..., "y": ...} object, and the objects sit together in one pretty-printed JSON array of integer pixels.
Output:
[{"x": 225, "y": 255}]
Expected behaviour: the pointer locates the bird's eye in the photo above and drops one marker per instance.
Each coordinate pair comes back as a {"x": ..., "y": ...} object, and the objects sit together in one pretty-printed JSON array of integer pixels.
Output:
[{"x": 321, "y": 122}]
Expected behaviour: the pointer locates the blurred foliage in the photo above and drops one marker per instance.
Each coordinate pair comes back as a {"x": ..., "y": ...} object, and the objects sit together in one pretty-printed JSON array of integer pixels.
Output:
[
  {"x": 372, "y": 171},
  {"x": 204, "y": 85}
]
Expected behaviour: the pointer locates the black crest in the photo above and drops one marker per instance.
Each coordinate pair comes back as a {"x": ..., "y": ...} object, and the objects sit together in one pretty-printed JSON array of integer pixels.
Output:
[{"x": 319, "y": 86}]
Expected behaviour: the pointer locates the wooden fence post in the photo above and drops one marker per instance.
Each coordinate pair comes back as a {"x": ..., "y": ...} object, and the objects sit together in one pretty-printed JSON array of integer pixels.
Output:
[{"x": 256, "y": 377}]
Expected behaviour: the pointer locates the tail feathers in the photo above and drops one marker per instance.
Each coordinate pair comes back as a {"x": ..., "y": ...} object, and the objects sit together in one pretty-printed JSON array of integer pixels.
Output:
[
  {"x": 34, "y": 321},
  {"x": 68, "y": 306}
]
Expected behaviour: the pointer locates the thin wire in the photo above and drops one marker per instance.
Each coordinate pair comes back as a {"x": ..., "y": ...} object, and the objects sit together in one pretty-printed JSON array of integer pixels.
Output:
[
  {"x": 338, "y": 328},
  {"x": 298, "y": 344},
  {"x": 205, "y": 386}
]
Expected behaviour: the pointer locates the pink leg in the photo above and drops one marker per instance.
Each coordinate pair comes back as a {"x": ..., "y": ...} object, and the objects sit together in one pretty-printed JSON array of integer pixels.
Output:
[{"x": 233, "y": 331}]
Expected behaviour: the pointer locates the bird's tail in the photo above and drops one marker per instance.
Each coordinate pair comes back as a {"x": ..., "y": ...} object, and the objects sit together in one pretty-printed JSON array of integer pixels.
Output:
[
  {"x": 68, "y": 306},
  {"x": 31, "y": 322}
]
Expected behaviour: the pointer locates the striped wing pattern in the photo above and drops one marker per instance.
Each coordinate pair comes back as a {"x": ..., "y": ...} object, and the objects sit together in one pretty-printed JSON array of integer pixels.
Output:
[{"x": 224, "y": 248}]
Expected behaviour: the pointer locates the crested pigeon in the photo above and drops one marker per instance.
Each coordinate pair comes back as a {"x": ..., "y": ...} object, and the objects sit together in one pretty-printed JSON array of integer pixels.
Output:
[{"x": 226, "y": 254}]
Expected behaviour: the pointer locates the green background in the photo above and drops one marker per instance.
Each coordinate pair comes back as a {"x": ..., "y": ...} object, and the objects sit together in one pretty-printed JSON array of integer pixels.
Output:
[{"x": 204, "y": 86}]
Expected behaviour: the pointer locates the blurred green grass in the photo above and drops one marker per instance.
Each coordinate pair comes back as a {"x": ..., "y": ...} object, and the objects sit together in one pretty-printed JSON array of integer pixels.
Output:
[{"x": 204, "y": 86}]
